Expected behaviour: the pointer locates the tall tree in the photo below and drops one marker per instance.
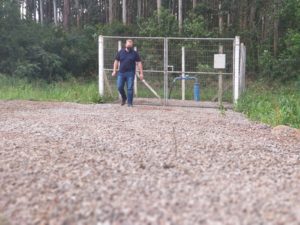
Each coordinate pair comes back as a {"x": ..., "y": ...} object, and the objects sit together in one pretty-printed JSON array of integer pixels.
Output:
[
  {"x": 124, "y": 12},
  {"x": 194, "y": 3},
  {"x": 41, "y": 11},
  {"x": 77, "y": 13},
  {"x": 139, "y": 9},
  {"x": 110, "y": 11},
  {"x": 54, "y": 12},
  {"x": 180, "y": 19},
  {"x": 66, "y": 14},
  {"x": 158, "y": 8}
]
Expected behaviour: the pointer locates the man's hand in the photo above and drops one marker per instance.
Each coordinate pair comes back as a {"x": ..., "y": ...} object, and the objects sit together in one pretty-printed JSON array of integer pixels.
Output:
[
  {"x": 115, "y": 68},
  {"x": 141, "y": 76}
]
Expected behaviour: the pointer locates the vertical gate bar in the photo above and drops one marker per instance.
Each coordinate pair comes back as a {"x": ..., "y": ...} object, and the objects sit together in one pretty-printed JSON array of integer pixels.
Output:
[
  {"x": 233, "y": 66},
  {"x": 220, "y": 80},
  {"x": 101, "y": 65},
  {"x": 236, "y": 68},
  {"x": 183, "y": 73},
  {"x": 119, "y": 48},
  {"x": 135, "y": 78},
  {"x": 165, "y": 71},
  {"x": 242, "y": 68}
]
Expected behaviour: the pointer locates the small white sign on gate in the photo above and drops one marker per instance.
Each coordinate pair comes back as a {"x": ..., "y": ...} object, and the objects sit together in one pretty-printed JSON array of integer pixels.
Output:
[{"x": 219, "y": 61}]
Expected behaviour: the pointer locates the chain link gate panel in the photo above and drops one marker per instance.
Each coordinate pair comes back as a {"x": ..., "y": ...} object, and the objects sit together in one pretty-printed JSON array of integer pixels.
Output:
[
  {"x": 151, "y": 51},
  {"x": 193, "y": 59},
  {"x": 167, "y": 60}
]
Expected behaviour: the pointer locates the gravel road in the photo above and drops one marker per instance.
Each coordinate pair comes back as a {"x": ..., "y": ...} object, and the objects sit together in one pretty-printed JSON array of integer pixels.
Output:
[{"x": 67, "y": 163}]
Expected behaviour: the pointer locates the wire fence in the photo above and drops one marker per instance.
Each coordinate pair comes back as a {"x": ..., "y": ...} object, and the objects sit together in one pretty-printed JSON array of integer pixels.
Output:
[{"x": 165, "y": 60}]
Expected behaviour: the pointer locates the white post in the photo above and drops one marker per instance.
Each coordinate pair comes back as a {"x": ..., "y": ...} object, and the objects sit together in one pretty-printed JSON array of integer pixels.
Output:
[
  {"x": 242, "y": 68},
  {"x": 166, "y": 62},
  {"x": 101, "y": 65},
  {"x": 119, "y": 48},
  {"x": 220, "y": 80},
  {"x": 119, "y": 45},
  {"x": 236, "y": 68},
  {"x": 183, "y": 72},
  {"x": 135, "y": 79}
]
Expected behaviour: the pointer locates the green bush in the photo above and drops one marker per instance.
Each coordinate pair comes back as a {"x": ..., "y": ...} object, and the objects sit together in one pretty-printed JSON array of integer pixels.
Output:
[
  {"x": 164, "y": 26},
  {"x": 194, "y": 26},
  {"x": 274, "y": 106}
]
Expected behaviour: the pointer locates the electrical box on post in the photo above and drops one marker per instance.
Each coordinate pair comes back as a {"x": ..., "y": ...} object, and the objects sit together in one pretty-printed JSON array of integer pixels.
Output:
[{"x": 219, "y": 61}]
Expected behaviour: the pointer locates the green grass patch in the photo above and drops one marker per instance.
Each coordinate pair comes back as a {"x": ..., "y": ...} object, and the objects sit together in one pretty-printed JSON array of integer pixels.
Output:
[
  {"x": 70, "y": 91},
  {"x": 273, "y": 104}
]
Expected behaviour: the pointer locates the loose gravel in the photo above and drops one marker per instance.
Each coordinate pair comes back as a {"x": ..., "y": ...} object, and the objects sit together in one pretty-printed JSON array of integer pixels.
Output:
[{"x": 67, "y": 163}]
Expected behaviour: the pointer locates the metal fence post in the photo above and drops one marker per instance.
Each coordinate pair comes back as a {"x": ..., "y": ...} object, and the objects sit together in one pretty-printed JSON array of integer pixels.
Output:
[
  {"x": 236, "y": 69},
  {"x": 243, "y": 68},
  {"x": 135, "y": 78},
  {"x": 101, "y": 65},
  {"x": 165, "y": 70},
  {"x": 119, "y": 49},
  {"x": 183, "y": 73},
  {"x": 220, "y": 81}
]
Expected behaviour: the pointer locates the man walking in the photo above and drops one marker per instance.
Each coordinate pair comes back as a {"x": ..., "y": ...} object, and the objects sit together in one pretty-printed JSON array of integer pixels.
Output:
[{"x": 128, "y": 58}]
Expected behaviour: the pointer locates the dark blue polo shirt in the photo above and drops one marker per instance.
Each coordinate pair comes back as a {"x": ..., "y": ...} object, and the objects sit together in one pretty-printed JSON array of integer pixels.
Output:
[{"x": 127, "y": 60}]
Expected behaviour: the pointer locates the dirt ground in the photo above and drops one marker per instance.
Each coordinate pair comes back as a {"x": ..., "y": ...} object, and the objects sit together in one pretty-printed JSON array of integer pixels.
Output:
[{"x": 67, "y": 163}]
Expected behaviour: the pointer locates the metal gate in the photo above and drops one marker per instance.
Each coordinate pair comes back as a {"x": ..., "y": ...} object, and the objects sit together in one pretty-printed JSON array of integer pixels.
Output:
[{"x": 172, "y": 67}]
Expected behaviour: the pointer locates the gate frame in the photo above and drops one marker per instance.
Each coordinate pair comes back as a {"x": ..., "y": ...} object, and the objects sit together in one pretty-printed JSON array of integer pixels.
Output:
[{"x": 238, "y": 71}]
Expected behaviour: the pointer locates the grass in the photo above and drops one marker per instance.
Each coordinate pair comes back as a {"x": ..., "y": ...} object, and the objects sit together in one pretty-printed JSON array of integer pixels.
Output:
[
  {"x": 70, "y": 91},
  {"x": 208, "y": 90},
  {"x": 279, "y": 104},
  {"x": 275, "y": 104},
  {"x": 12, "y": 88}
]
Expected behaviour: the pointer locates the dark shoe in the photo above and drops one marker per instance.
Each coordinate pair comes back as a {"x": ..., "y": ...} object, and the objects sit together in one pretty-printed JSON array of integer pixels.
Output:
[{"x": 123, "y": 101}]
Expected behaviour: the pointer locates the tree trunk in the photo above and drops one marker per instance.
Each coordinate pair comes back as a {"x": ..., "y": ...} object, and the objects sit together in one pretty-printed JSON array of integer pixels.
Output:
[
  {"x": 220, "y": 19},
  {"x": 124, "y": 12},
  {"x": 34, "y": 11},
  {"x": 180, "y": 15},
  {"x": 66, "y": 14},
  {"x": 252, "y": 17},
  {"x": 139, "y": 9},
  {"x": 110, "y": 11},
  {"x": 275, "y": 27},
  {"x": 194, "y": 3},
  {"x": 41, "y": 12},
  {"x": 276, "y": 36},
  {"x": 158, "y": 8},
  {"x": 54, "y": 12},
  {"x": 77, "y": 13}
]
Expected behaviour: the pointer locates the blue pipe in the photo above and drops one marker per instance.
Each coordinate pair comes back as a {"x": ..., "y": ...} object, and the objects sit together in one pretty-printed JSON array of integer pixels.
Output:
[
  {"x": 197, "y": 92},
  {"x": 196, "y": 86}
]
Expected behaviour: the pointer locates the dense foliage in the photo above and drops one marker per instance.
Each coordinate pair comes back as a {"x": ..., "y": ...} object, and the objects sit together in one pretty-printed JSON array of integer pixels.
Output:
[
  {"x": 274, "y": 105},
  {"x": 40, "y": 47}
]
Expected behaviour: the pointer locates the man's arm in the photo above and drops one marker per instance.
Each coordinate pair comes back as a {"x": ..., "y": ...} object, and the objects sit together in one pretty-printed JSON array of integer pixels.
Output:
[
  {"x": 140, "y": 66},
  {"x": 115, "y": 69}
]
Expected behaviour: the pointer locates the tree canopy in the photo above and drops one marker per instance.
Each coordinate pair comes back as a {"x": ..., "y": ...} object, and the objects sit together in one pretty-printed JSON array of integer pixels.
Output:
[{"x": 56, "y": 39}]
